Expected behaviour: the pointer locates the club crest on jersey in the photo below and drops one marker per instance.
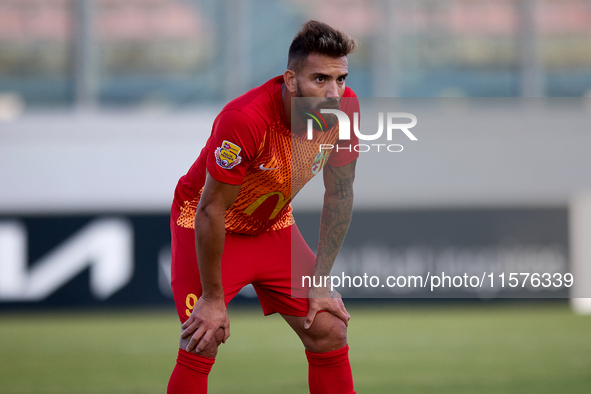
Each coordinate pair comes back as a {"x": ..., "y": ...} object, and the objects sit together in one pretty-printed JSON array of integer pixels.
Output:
[
  {"x": 228, "y": 155},
  {"x": 319, "y": 161}
]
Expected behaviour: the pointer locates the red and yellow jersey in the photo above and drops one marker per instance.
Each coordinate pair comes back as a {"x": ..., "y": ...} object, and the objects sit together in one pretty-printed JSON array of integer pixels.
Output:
[{"x": 252, "y": 145}]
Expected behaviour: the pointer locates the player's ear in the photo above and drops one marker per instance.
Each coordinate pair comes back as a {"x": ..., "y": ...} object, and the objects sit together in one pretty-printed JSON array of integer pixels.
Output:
[{"x": 289, "y": 77}]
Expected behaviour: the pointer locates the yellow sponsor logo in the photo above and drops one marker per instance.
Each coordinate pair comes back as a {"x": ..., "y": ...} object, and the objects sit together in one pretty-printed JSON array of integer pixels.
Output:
[{"x": 278, "y": 207}]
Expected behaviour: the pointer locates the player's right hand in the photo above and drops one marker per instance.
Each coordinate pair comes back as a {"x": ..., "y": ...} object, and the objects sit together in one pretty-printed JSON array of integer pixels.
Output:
[
  {"x": 207, "y": 317},
  {"x": 323, "y": 299}
]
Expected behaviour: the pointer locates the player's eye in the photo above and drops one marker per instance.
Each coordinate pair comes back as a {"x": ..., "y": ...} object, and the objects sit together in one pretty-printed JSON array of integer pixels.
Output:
[{"x": 319, "y": 79}]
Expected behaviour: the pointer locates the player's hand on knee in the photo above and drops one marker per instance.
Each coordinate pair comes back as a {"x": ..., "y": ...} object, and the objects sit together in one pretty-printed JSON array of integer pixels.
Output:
[
  {"x": 322, "y": 299},
  {"x": 207, "y": 317}
]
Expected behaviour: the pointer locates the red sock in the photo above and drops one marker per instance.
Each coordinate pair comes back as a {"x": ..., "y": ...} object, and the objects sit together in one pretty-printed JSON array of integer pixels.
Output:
[
  {"x": 330, "y": 372},
  {"x": 190, "y": 374}
]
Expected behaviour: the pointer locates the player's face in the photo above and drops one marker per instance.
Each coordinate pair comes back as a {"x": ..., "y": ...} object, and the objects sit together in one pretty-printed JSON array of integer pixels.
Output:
[{"x": 322, "y": 79}]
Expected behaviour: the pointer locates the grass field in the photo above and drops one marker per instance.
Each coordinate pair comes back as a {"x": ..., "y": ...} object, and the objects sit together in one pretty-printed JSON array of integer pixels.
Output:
[{"x": 423, "y": 349}]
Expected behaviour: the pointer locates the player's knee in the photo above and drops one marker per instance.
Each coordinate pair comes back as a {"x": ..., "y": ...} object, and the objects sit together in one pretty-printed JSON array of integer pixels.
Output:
[
  {"x": 329, "y": 334},
  {"x": 219, "y": 336},
  {"x": 211, "y": 349}
]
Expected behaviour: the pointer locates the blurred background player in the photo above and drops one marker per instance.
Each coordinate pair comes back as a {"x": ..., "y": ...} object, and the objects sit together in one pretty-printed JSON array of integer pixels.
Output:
[{"x": 232, "y": 224}]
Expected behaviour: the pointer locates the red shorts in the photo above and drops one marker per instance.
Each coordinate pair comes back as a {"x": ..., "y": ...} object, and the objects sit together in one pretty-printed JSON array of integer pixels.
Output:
[{"x": 263, "y": 260}]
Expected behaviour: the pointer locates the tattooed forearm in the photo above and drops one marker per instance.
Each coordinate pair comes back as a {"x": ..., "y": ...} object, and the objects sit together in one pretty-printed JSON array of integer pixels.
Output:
[
  {"x": 336, "y": 215},
  {"x": 339, "y": 180},
  {"x": 343, "y": 187},
  {"x": 334, "y": 224}
]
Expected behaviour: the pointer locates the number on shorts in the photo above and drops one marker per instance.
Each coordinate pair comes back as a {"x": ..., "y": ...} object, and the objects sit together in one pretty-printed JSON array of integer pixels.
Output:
[{"x": 190, "y": 302}]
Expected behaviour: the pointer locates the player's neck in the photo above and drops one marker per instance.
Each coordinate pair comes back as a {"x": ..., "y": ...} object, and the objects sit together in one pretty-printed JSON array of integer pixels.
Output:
[{"x": 286, "y": 97}]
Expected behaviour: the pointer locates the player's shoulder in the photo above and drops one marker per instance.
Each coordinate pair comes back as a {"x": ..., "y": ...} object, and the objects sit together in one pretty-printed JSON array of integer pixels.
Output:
[
  {"x": 351, "y": 102},
  {"x": 257, "y": 104},
  {"x": 349, "y": 92}
]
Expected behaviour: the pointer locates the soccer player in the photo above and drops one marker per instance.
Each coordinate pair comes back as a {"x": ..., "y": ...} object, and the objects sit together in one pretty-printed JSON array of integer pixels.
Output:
[{"x": 232, "y": 222}]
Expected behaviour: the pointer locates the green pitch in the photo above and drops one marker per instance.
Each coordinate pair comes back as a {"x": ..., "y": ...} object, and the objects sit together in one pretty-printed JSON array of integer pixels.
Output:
[{"x": 426, "y": 349}]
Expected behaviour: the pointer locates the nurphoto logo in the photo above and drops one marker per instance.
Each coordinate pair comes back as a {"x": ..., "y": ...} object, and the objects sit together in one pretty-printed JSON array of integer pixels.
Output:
[{"x": 345, "y": 129}]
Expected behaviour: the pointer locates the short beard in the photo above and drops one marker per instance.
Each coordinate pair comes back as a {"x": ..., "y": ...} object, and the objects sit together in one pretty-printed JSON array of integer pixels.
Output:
[{"x": 317, "y": 103}]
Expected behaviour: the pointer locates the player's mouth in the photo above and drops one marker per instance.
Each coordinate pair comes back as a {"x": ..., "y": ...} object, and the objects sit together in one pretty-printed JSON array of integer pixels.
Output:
[{"x": 331, "y": 103}]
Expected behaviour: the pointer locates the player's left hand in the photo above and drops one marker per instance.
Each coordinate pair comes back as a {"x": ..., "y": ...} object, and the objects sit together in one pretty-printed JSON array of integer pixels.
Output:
[
  {"x": 323, "y": 299},
  {"x": 207, "y": 318}
]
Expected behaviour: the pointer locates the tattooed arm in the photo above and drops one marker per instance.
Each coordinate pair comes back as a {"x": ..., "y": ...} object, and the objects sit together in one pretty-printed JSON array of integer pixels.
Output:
[{"x": 334, "y": 223}]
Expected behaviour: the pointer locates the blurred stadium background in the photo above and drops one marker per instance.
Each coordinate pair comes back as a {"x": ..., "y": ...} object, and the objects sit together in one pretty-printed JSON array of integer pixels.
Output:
[{"x": 104, "y": 104}]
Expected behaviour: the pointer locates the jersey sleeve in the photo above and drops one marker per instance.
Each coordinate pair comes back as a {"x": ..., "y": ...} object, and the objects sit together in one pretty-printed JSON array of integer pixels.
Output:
[
  {"x": 344, "y": 151},
  {"x": 232, "y": 147}
]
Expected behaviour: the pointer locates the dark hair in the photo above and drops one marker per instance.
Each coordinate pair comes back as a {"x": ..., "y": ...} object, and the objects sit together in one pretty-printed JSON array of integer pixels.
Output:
[{"x": 318, "y": 37}]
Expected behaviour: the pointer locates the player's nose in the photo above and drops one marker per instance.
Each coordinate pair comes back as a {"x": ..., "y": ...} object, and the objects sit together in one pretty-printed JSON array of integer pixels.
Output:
[{"x": 332, "y": 90}]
